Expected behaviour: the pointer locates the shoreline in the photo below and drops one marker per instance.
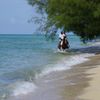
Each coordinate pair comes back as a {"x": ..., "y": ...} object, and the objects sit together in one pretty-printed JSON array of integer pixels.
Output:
[
  {"x": 64, "y": 85},
  {"x": 92, "y": 92},
  {"x": 86, "y": 81}
]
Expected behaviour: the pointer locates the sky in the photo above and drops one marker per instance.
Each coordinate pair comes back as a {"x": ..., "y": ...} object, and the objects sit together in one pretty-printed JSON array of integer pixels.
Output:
[{"x": 14, "y": 16}]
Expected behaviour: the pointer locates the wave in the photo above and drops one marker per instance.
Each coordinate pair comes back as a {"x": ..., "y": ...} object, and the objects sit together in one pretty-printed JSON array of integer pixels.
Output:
[
  {"x": 65, "y": 64},
  {"x": 22, "y": 88},
  {"x": 25, "y": 87}
]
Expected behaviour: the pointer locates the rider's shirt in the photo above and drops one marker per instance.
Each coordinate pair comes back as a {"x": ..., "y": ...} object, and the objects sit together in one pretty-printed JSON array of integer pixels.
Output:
[{"x": 61, "y": 36}]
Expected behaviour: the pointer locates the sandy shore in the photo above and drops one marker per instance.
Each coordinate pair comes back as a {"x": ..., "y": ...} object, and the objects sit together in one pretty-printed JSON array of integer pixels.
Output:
[
  {"x": 86, "y": 80},
  {"x": 93, "y": 91}
]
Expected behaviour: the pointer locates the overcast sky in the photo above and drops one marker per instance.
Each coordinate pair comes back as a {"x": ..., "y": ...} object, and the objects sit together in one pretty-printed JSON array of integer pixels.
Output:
[{"x": 14, "y": 16}]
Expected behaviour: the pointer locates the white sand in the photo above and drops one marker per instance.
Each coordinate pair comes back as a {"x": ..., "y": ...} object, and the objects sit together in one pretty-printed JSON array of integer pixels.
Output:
[{"x": 93, "y": 91}]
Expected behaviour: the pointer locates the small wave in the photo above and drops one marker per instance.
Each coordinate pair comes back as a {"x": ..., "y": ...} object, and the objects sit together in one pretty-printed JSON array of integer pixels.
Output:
[
  {"x": 25, "y": 87},
  {"x": 65, "y": 63},
  {"x": 22, "y": 88}
]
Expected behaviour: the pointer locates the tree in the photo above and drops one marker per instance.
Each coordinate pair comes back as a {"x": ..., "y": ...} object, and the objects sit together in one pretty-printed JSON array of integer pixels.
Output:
[{"x": 79, "y": 16}]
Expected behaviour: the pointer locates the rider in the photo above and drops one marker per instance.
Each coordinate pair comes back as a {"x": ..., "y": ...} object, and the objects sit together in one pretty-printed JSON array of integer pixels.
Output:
[{"x": 61, "y": 37}]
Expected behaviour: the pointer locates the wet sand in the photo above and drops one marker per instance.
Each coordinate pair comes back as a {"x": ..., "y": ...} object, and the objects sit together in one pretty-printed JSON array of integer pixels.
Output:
[
  {"x": 77, "y": 83},
  {"x": 86, "y": 81},
  {"x": 92, "y": 92}
]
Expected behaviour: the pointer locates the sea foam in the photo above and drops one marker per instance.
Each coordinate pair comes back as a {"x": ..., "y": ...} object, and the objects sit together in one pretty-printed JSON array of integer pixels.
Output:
[
  {"x": 65, "y": 63},
  {"x": 22, "y": 88}
]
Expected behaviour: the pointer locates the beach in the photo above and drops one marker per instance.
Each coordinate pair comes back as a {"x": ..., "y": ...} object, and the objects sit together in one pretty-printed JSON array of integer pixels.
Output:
[
  {"x": 50, "y": 50},
  {"x": 81, "y": 82},
  {"x": 92, "y": 92},
  {"x": 86, "y": 81},
  {"x": 32, "y": 69}
]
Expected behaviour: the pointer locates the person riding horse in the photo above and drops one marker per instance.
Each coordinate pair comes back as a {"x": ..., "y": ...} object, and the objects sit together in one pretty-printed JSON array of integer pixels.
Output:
[{"x": 63, "y": 43}]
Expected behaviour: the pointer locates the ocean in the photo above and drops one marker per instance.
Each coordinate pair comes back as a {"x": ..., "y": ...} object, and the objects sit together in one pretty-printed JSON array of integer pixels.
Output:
[{"x": 26, "y": 58}]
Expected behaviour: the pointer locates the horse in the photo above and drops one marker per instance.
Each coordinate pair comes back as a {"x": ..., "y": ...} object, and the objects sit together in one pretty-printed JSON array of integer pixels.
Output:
[{"x": 65, "y": 44}]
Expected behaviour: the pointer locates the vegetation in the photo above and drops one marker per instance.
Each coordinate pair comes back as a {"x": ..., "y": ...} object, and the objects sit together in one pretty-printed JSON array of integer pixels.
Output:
[{"x": 79, "y": 16}]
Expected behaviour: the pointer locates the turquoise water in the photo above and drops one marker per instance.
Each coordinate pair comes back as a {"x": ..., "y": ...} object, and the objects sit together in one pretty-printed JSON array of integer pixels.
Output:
[{"x": 23, "y": 58}]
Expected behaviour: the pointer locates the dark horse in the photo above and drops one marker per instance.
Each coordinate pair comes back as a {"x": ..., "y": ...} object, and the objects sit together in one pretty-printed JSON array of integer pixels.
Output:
[{"x": 65, "y": 44}]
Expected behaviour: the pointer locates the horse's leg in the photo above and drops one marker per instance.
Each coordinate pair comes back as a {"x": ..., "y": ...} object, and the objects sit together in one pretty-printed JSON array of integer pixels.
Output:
[
  {"x": 59, "y": 45},
  {"x": 63, "y": 46},
  {"x": 67, "y": 44}
]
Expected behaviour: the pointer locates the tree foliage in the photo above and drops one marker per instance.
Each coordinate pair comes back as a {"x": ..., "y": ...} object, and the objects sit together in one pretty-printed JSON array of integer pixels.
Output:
[{"x": 79, "y": 16}]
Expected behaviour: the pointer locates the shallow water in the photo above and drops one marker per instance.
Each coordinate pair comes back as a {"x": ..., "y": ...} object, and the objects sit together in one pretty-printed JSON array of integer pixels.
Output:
[{"x": 26, "y": 58}]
